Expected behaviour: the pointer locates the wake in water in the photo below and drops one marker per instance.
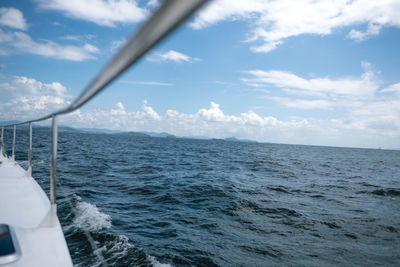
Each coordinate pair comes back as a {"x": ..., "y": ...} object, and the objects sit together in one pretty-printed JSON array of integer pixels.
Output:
[
  {"x": 89, "y": 218},
  {"x": 90, "y": 225}
]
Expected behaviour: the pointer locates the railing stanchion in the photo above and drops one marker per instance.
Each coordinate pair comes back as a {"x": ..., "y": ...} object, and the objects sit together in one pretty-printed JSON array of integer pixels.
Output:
[
  {"x": 54, "y": 134},
  {"x": 30, "y": 149},
  {"x": 2, "y": 142},
  {"x": 13, "y": 142}
]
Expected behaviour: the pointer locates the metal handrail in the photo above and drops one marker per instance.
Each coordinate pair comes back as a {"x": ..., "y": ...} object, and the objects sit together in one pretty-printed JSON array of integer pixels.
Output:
[{"x": 168, "y": 17}]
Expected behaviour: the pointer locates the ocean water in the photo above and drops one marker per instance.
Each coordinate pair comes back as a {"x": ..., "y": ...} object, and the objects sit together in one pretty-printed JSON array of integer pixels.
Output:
[{"x": 138, "y": 201}]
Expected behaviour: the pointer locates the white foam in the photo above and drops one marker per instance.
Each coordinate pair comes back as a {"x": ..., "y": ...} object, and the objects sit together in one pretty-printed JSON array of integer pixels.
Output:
[
  {"x": 88, "y": 217},
  {"x": 120, "y": 247},
  {"x": 113, "y": 250},
  {"x": 156, "y": 263}
]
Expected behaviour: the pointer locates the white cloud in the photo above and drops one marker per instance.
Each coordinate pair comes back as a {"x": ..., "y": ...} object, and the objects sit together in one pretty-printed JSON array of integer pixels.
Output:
[
  {"x": 22, "y": 43},
  {"x": 206, "y": 121},
  {"x": 365, "y": 128},
  {"x": 372, "y": 29},
  {"x": 71, "y": 38},
  {"x": 363, "y": 105},
  {"x": 153, "y": 3},
  {"x": 363, "y": 87},
  {"x": 302, "y": 103},
  {"x": 12, "y": 17},
  {"x": 220, "y": 10},
  {"x": 29, "y": 98},
  {"x": 147, "y": 83},
  {"x": 101, "y": 12},
  {"x": 117, "y": 45},
  {"x": 172, "y": 55},
  {"x": 371, "y": 124},
  {"x": 395, "y": 88},
  {"x": 275, "y": 21}
]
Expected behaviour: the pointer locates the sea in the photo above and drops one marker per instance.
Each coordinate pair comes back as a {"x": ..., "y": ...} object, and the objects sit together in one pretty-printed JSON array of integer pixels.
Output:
[{"x": 132, "y": 200}]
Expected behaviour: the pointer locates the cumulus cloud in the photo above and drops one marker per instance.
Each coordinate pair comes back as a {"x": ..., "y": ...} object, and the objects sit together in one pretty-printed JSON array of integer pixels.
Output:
[
  {"x": 273, "y": 21},
  {"x": 13, "y": 18},
  {"x": 173, "y": 56},
  {"x": 206, "y": 121},
  {"x": 29, "y": 98},
  {"x": 102, "y": 12},
  {"x": 363, "y": 128},
  {"x": 19, "y": 42}
]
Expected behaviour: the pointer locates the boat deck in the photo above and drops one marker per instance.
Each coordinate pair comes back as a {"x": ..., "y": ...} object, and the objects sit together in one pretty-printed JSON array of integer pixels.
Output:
[{"x": 33, "y": 220}]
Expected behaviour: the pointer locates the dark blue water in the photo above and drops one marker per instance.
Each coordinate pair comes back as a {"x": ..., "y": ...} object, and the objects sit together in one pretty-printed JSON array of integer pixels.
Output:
[{"x": 154, "y": 201}]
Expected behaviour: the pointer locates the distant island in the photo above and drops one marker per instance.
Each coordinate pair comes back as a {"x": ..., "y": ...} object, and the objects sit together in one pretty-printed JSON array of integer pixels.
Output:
[
  {"x": 64, "y": 128},
  {"x": 149, "y": 134}
]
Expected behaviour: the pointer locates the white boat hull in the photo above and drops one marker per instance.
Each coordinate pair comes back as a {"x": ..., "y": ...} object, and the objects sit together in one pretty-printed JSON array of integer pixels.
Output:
[{"x": 33, "y": 220}]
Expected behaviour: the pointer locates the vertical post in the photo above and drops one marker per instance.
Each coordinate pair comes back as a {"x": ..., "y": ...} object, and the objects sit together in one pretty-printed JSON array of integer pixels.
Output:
[
  {"x": 13, "y": 142},
  {"x": 30, "y": 149},
  {"x": 2, "y": 143},
  {"x": 54, "y": 134}
]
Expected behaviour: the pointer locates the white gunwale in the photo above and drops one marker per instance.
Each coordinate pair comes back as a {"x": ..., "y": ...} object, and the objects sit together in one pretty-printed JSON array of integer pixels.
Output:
[{"x": 25, "y": 207}]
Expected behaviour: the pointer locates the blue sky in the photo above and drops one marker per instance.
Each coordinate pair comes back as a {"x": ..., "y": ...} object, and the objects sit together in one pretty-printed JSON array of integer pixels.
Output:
[{"x": 304, "y": 72}]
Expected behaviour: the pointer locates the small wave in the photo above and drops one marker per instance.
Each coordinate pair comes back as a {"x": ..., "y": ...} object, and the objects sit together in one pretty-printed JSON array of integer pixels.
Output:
[
  {"x": 88, "y": 217},
  {"x": 387, "y": 192},
  {"x": 156, "y": 263},
  {"x": 281, "y": 189},
  {"x": 116, "y": 248},
  {"x": 118, "y": 251}
]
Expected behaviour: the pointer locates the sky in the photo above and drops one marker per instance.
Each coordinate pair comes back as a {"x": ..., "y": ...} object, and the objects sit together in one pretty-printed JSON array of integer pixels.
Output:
[{"x": 299, "y": 72}]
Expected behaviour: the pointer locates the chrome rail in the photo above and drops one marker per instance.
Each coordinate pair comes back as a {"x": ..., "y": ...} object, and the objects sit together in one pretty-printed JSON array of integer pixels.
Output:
[
  {"x": 3, "y": 151},
  {"x": 167, "y": 18},
  {"x": 13, "y": 142},
  {"x": 53, "y": 170},
  {"x": 30, "y": 149}
]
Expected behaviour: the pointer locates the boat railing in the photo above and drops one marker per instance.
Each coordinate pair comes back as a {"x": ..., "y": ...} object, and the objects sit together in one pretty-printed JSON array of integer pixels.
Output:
[{"x": 168, "y": 17}]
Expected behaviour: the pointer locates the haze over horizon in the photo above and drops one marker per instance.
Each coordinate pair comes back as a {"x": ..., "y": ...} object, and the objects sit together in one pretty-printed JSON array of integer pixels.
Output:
[{"x": 304, "y": 72}]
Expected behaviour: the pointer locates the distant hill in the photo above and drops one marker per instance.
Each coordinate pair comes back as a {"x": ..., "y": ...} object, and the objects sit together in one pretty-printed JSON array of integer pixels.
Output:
[
  {"x": 99, "y": 130},
  {"x": 9, "y": 122},
  {"x": 135, "y": 134},
  {"x": 162, "y": 135},
  {"x": 234, "y": 139},
  {"x": 149, "y": 134},
  {"x": 63, "y": 128},
  {"x": 196, "y": 137}
]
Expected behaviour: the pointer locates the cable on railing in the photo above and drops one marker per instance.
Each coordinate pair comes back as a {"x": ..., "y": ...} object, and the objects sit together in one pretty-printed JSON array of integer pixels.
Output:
[{"x": 171, "y": 14}]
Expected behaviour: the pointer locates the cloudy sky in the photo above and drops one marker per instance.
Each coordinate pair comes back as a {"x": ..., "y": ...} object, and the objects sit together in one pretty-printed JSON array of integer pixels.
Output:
[{"x": 303, "y": 72}]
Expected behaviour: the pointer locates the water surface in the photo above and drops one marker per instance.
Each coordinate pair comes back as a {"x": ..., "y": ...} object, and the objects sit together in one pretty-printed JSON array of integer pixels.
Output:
[{"x": 145, "y": 201}]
